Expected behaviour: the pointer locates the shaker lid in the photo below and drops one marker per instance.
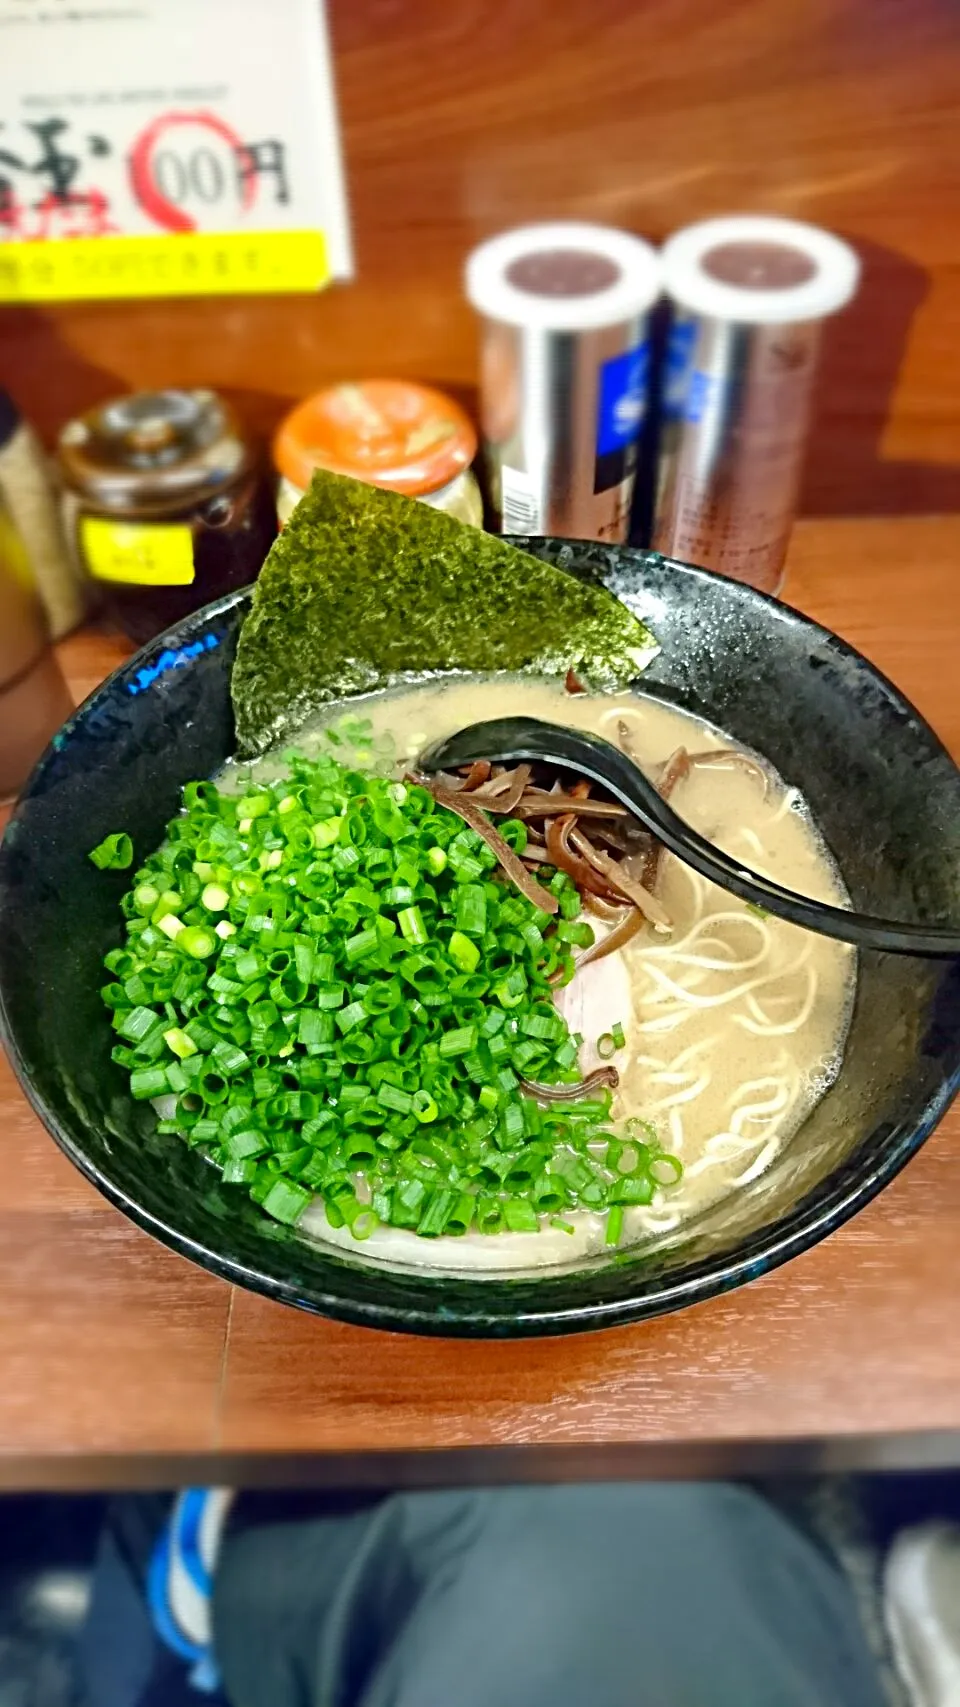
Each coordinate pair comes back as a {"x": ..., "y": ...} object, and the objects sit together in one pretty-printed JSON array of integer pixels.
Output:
[
  {"x": 758, "y": 270},
  {"x": 152, "y": 447},
  {"x": 567, "y": 276},
  {"x": 388, "y": 432}
]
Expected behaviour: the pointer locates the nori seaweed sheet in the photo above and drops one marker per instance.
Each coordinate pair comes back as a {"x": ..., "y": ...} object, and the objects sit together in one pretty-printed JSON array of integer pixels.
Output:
[{"x": 365, "y": 587}]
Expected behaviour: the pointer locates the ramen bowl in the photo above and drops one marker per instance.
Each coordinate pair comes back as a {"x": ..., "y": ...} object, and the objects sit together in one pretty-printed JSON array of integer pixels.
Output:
[{"x": 883, "y": 790}]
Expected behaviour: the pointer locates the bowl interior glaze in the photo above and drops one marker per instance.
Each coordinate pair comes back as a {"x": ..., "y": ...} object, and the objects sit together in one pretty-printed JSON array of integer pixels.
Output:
[{"x": 883, "y": 789}]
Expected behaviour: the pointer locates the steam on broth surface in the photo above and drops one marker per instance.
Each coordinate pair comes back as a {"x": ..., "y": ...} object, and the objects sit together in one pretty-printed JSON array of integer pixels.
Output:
[{"x": 734, "y": 1023}]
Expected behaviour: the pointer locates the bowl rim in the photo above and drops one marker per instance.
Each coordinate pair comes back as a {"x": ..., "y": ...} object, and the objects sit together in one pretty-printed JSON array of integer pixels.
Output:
[{"x": 762, "y": 1251}]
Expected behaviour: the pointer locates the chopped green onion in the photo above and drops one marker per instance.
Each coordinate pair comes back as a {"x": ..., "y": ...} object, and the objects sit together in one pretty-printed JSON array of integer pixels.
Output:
[
  {"x": 489, "y": 1216},
  {"x": 400, "y": 895},
  {"x": 463, "y": 952},
  {"x": 412, "y": 927},
  {"x": 460, "y": 1219},
  {"x": 137, "y": 1023},
  {"x": 458, "y": 1042},
  {"x": 286, "y": 1201},
  {"x": 364, "y": 1224},
  {"x": 114, "y": 853},
  {"x": 197, "y": 941},
  {"x": 357, "y": 947},
  {"x": 633, "y": 1188},
  {"x": 614, "y": 1225},
  {"x": 253, "y": 806},
  {"x": 148, "y": 1082},
  {"x": 520, "y": 1216},
  {"x": 326, "y": 832},
  {"x": 471, "y": 909},
  {"x": 312, "y": 1028},
  {"x": 179, "y": 1042},
  {"x": 353, "y": 1014},
  {"x": 610, "y": 1042},
  {"x": 511, "y": 990},
  {"x": 666, "y": 1170},
  {"x": 424, "y": 1107},
  {"x": 513, "y": 1123},
  {"x": 401, "y": 1102},
  {"x": 229, "y": 1058},
  {"x": 238, "y": 1170},
  {"x": 358, "y": 1025},
  {"x": 541, "y": 1025},
  {"x": 243, "y": 1145},
  {"x": 436, "y": 1214}
]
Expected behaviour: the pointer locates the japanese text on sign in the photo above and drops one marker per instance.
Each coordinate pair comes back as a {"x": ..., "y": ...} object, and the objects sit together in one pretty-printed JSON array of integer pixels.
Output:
[{"x": 146, "y": 180}]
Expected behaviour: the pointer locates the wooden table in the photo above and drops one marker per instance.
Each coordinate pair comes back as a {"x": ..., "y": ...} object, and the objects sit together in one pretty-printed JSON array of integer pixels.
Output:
[{"x": 121, "y": 1363}]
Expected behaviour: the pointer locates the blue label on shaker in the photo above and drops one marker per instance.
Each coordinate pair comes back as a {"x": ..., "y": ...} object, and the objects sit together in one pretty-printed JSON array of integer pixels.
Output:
[
  {"x": 621, "y": 400},
  {"x": 621, "y": 406},
  {"x": 677, "y": 366},
  {"x": 701, "y": 393}
]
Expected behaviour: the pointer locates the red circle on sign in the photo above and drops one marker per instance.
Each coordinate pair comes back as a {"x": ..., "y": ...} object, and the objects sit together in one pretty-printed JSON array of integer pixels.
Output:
[{"x": 157, "y": 206}]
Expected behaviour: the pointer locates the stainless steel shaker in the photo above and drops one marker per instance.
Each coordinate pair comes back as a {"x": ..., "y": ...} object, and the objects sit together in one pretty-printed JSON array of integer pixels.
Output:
[
  {"x": 564, "y": 372},
  {"x": 748, "y": 295}
]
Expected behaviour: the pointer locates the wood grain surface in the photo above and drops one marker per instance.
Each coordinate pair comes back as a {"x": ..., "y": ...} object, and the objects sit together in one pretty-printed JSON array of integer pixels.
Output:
[
  {"x": 109, "y": 1344},
  {"x": 461, "y": 119}
]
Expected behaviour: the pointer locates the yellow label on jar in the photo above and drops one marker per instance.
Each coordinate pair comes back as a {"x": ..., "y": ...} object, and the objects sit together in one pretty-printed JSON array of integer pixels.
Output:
[{"x": 144, "y": 554}]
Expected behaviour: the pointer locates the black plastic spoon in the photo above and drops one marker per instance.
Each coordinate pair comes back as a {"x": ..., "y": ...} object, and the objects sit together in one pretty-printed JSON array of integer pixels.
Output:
[{"x": 512, "y": 739}]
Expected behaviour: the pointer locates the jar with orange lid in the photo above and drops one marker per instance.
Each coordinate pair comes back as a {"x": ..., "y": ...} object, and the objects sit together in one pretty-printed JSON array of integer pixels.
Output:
[{"x": 389, "y": 432}]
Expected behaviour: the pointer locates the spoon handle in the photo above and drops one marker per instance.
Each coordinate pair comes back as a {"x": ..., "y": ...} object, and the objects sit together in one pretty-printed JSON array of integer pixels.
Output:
[{"x": 515, "y": 739}]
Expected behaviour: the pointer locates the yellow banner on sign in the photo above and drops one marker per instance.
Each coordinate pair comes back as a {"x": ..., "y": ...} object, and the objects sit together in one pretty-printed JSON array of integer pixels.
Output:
[{"x": 70, "y": 269}]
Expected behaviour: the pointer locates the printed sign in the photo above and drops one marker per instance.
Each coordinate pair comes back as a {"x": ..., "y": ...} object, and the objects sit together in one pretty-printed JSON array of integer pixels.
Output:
[{"x": 167, "y": 147}]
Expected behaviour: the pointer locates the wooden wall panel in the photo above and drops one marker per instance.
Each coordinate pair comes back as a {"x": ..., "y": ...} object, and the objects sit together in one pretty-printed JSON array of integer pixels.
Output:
[{"x": 463, "y": 116}]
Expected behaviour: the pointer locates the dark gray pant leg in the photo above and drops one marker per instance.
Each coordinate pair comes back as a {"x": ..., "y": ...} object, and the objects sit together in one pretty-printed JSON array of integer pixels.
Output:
[{"x": 591, "y": 1596}]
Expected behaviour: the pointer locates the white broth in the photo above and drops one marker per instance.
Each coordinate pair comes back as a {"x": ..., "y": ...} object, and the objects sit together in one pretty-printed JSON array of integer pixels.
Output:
[{"x": 735, "y": 1023}]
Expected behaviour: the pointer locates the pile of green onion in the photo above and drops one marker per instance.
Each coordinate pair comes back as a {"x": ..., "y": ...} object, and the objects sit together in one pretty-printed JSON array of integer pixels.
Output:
[{"x": 335, "y": 981}]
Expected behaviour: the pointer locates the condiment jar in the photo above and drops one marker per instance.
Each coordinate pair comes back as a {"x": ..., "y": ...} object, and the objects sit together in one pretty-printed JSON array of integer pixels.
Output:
[
  {"x": 29, "y": 490},
  {"x": 389, "y": 432},
  {"x": 164, "y": 504},
  {"x": 34, "y": 698}
]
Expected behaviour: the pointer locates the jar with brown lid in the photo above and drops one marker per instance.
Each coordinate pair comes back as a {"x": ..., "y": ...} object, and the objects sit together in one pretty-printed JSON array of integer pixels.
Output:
[{"x": 164, "y": 504}]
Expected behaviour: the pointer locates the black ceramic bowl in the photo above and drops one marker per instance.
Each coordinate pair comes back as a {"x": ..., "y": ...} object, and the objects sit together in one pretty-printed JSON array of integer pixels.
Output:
[{"x": 879, "y": 782}]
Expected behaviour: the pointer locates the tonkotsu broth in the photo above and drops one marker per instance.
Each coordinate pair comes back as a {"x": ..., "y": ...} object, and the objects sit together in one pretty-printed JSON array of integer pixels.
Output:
[{"x": 735, "y": 1023}]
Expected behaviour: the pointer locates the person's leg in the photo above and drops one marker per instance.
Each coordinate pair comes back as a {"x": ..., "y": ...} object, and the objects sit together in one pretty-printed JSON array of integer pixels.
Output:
[
  {"x": 147, "y": 1639},
  {"x": 303, "y": 1611},
  {"x": 620, "y": 1596}
]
